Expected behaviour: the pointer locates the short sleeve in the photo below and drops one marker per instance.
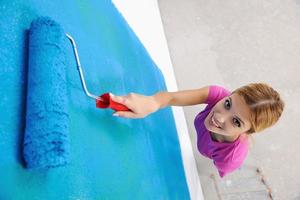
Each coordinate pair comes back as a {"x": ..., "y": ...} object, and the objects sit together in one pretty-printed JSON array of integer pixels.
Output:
[
  {"x": 215, "y": 94},
  {"x": 227, "y": 160},
  {"x": 225, "y": 168}
]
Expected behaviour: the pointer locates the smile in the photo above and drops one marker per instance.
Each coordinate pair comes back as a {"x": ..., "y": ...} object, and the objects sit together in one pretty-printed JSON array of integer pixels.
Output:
[{"x": 214, "y": 123}]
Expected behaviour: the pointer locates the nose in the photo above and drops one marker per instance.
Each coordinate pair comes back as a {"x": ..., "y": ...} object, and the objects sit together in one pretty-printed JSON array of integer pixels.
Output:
[{"x": 221, "y": 118}]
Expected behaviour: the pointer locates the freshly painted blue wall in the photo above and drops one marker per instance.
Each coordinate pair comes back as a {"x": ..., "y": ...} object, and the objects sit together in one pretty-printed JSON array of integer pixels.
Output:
[{"x": 111, "y": 158}]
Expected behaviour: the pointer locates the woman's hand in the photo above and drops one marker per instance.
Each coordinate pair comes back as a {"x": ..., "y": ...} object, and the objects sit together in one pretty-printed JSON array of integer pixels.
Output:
[{"x": 140, "y": 105}]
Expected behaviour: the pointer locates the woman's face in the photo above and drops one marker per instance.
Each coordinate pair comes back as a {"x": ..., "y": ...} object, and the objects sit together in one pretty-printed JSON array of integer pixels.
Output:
[{"x": 229, "y": 117}]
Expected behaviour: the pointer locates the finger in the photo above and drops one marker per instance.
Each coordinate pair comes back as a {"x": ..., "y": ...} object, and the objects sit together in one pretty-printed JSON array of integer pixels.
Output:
[
  {"x": 125, "y": 114},
  {"x": 117, "y": 99},
  {"x": 122, "y": 100}
]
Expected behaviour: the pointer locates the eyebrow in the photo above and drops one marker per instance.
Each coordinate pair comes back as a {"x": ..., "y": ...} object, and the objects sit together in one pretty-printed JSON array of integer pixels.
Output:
[{"x": 235, "y": 115}]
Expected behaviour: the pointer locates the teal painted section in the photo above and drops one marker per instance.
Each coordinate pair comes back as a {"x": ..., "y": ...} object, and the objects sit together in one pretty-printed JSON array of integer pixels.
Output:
[{"x": 111, "y": 158}]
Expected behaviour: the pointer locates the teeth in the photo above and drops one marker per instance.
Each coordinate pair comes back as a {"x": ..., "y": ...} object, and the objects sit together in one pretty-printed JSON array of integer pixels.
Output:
[{"x": 212, "y": 119}]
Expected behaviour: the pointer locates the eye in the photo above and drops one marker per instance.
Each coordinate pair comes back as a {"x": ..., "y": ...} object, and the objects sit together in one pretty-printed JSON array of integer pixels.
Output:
[
  {"x": 236, "y": 122},
  {"x": 227, "y": 104}
]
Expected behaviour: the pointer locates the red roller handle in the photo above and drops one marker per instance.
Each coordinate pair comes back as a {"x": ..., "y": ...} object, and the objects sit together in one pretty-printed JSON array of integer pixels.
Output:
[{"x": 106, "y": 102}]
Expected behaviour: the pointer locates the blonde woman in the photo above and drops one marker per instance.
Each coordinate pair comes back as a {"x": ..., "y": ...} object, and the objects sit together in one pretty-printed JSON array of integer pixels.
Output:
[{"x": 226, "y": 122}]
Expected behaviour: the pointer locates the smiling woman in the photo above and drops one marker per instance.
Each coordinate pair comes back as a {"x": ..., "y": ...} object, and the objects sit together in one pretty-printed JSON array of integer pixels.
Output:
[
  {"x": 229, "y": 118},
  {"x": 223, "y": 126}
]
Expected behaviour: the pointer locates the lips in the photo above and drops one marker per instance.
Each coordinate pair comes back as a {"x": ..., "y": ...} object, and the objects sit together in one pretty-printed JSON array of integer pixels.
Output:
[{"x": 213, "y": 122}]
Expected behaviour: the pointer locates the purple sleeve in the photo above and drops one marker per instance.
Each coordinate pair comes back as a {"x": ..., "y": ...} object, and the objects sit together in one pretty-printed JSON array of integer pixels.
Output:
[{"x": 215, "y": 94}]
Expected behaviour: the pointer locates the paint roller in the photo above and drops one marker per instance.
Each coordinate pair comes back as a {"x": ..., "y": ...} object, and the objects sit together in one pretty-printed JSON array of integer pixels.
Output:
[
  {"x": 103, "y": 101},
  {"x": 46, "y": 139}
]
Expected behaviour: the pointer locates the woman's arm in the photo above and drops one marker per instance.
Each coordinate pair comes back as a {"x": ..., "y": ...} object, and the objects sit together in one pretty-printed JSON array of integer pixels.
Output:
[
  {"x": 181, "y": 98},
  {"x": 141, "y": 105}
]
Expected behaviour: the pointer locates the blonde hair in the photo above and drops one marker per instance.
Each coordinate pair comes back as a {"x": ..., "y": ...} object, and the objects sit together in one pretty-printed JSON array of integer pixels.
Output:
[{"x": 265, "y": 104}]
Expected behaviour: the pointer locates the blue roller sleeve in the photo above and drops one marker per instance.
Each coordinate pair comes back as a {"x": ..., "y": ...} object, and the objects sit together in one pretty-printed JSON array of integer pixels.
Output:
[{"x": 46, "y": 140}]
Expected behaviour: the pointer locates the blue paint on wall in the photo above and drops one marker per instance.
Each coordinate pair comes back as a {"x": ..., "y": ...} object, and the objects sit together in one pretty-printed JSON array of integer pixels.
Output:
[{"x": 111, "y": 158}]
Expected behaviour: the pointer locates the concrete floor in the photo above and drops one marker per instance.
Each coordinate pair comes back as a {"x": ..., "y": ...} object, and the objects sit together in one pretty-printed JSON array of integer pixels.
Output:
[{"x": 233, "y": 43}]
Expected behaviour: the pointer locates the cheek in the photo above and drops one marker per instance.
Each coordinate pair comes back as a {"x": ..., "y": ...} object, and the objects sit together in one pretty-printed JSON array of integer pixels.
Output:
[
  {"x": 230, "y": 130},
  {"x": 218, "y": 107},
  {"x": 235, "y": 131}
]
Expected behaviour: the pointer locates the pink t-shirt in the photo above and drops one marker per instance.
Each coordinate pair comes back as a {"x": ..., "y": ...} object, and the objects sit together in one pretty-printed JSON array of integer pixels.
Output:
[{"x": 227, "y": 156}]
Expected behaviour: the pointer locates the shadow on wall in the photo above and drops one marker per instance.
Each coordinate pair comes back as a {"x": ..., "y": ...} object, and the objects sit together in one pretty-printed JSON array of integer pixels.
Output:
[{"x": 23, "y": 95}]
